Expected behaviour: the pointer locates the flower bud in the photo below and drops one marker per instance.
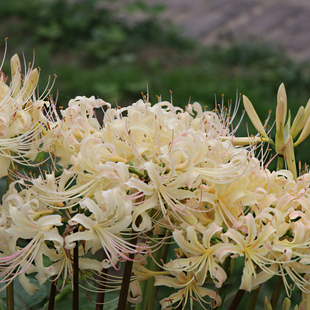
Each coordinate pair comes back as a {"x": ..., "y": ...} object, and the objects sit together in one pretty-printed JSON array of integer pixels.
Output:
[
  {"x": 254, "y": 117},
  {"x": 304, "y": 134},
  {"x": 30, "y": 84},
  {"x": 307, "y": 113},
  {"x": 286, "y": 304},
  {"x": 298, "y": 122},
  {"x": 282, "y": 94},
  {"x": 280, "y": 119},
  {"x": 267, "y": 304},
  {"x": 16, "y": 75}
]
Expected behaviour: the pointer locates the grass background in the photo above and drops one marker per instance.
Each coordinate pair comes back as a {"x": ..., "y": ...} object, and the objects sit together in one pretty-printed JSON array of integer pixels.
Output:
[{"x": 97, "y": 50}]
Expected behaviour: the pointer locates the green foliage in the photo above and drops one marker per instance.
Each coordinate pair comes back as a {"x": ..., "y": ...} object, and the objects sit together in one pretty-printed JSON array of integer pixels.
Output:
[
  {"x": 89, "y": 47},
  {"x": 23, "y": 300},
  {"x": 96, "y": 48}
]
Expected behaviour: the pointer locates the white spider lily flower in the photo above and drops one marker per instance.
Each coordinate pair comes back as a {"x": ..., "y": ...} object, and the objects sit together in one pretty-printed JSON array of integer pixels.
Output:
[
  {"x": 164, "y": 192},
  {"x": 189, "y": 287},
  {"x": 37, "y": 232},
  {"x": 62, "y": 263},
  {"x": 252, "y": 246},
  {"x": 110, "y": 217},
  {"x": 200, "y": 254},
  {"x": 23, "y": 117}
]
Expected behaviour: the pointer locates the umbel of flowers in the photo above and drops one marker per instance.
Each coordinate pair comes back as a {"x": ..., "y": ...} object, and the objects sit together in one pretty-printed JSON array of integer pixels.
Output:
[{"x": 123, "y": 186}]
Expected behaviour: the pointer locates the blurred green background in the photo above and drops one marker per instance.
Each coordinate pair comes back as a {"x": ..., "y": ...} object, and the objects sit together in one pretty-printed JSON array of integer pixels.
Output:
[{"x": 96, "y": 50}]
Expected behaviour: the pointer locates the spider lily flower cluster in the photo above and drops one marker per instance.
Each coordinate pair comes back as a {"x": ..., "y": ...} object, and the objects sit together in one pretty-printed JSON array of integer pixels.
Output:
[
  {"x": 161, "y": 174},
  {"x": 23, "y": 116}
]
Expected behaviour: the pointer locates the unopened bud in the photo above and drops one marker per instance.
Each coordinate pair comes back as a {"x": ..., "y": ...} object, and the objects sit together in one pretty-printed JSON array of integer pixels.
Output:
[
  {"x": 298, "y": 123},
  {"x": 286, "y": 304},
  {"x": 254, "y": 117},
  {"x": 304, "y": 134},
  {"x": 16, "y": 75},
  {"x": 30, "y": 84}
]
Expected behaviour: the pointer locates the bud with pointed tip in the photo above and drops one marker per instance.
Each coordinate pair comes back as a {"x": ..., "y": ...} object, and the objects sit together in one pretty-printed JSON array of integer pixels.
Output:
[
  {"x": 245, "y": 140},
  {"x": 30, "y": 83},
  {"x": 267, "y": 304},
  {"x": 298, "y": 123},
  {"x": 286, "y": 304},
  {"x": 280, "y": 120},
  {"x": 307, "y": 113},
  {"x": 16, "y": 73},
  {"x": 302, "y": 306},
  {"x": 304, "y": 134},
  {"x": 254, "y": 117},
  {"x": 282, "y": 94}
]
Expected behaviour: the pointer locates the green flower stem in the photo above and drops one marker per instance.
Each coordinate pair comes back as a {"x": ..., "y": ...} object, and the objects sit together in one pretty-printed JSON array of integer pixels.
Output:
[
  {"x": 166, "y": 246},
  {"x": 276, "y": 293},
  {"x": 142, "y": 287},
  {"x": 10, "y": 296},
  {"x": 253, "y": 299},
  {"x": 280, "y": 163},
  {"x": 101, "y": 286},
  {"x": 228, "y": 266},
  {"x": 237, "y": 299},
  {"x": 135, "y": 171},
  {"x": 10, "y": 287},
  {"x": 149, "y": 290},
  {"x": 51, "y": 302},
  {"x": 150, "y": 293},
  {"x": 127, "y": 276},
  {"x": 75, "y": 304}
]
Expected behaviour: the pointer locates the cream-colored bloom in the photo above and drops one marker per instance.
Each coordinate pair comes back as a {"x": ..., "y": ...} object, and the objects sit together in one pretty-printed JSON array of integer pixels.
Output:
[
  {"x": 38, "y": 229},
  {"x": 200, "y": 254},
  {"x": 252, "y": 246},
  {"x": 189, "y": 287},
  {"x": 23, "y": 117},
  {"x": 111, "y": 215}
]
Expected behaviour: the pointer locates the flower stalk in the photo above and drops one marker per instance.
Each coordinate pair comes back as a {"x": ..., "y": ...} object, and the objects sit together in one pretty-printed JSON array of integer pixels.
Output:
[
  {"x": 75, "y": 304},
  {"x": 52, "y": 296},
  {"x": 123, "y": 295},
  {"x": 151, "y": 291},
  {"x": 101, "y": 286},
  {"x": 276, "y": 293},
  {"x": 253, "y": 298},
  {"x": 237, "y": 299}
]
